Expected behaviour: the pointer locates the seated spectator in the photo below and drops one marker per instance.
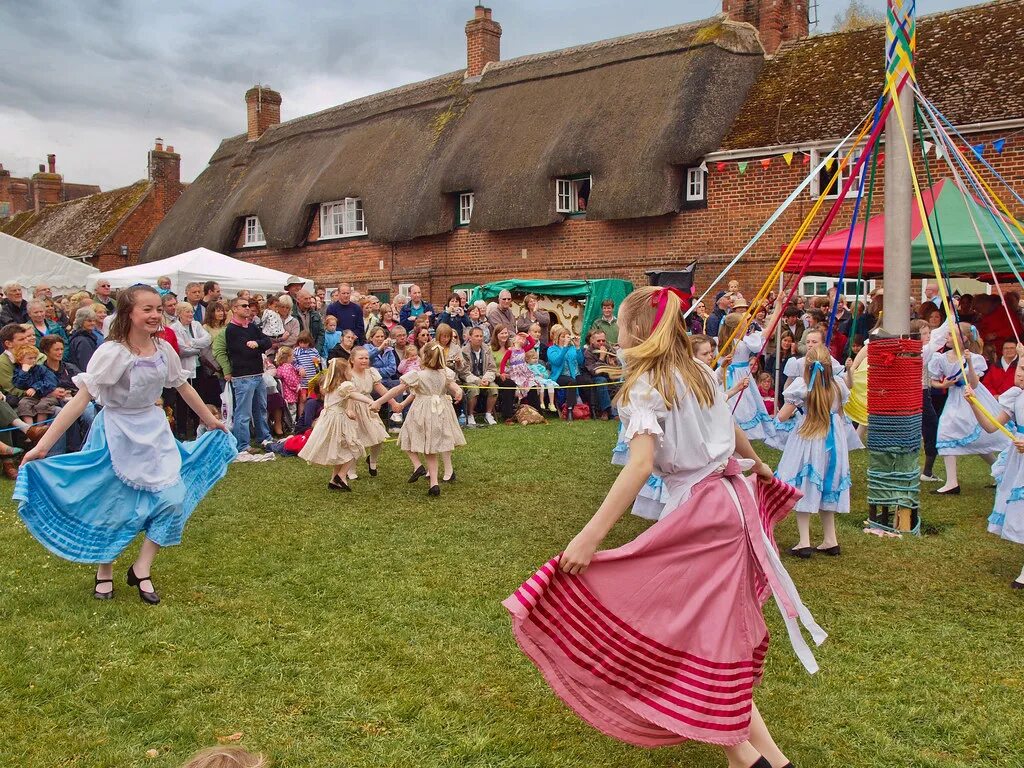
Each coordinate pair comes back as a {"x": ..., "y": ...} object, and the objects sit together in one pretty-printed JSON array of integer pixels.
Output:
[
  {"x": 13, "y": 307},
  {"x": 382, "y": 355},
  {"x": 455, "y": 317},
  {"x": 445, "y": 337},
  {"x": 545, "y": 384},
  {"x": 501, "y": 343},
  {"x": 343, "y": 348},
  {"x": 421, "y": 336},
  {"x": 565, "y": 360},
  {"x": 52, "y": 348},
  {"x": 387, "y": 317},
  {"x": 38, "y": 383},
  {"x": 102, "y": 321},
  {"x": 475, "y": 315},
  {"x": 481, "y": 372},
  {"x": 82, "y": 343},
  {"x": 40, "y": 324},
  {"x": 596, "y": 356}
]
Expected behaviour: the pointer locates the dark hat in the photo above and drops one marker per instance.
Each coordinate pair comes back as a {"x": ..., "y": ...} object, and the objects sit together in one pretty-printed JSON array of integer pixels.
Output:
[{"x": 719, "y": 295}]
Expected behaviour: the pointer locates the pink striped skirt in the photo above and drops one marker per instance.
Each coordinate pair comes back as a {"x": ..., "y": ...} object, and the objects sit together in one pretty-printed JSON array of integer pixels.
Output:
[{"x": 663, "y": 639}]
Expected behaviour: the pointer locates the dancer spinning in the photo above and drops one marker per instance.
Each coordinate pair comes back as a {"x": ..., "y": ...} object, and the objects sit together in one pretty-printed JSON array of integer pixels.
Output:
[
  {"x": 663, "y": 639},
  {"x": 369, "y": 428},
  {"x": 431, "y": 427},
  {"x": 816, "y": 458},
  {"x": 131, "y": 475},
  {"x": 747, "y": 406},
  {"x": 959, "y": 433}
]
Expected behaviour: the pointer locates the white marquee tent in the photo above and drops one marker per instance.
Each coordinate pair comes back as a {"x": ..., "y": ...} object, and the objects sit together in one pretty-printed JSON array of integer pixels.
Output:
[
  {"x": 198, "y": 266},
  {"x": 31, "y": 265}
]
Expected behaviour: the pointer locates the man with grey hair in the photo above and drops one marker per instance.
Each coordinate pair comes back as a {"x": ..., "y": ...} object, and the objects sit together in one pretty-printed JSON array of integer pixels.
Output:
[
  {"x": 42, "y": 291},
  {"x": 309, "y": 318},
  {"x": 501, "y": 315},
  {"x": 13, "y": 307},
  {"x": 103, "y": 296}
]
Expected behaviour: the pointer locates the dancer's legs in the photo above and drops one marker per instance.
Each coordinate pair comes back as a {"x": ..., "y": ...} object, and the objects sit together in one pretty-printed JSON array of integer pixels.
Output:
[
  {"x": 431, "y": 462},
  {"x": 374, "y": 455},
  {"x": 143, "y": 565},
  {"x": 415, "y": 459},
  {"x": 446, "y": 458},
  {"x": 828, "y": 528},
  {"x": 803, "y": 525},
  {"x": 951, "y": 478},
  {"x": 762, "y": 740},
  {"x": 742, "y": 755},
  {"x": 105, "y": 571},
  {"x": 1019, "y": 579}
]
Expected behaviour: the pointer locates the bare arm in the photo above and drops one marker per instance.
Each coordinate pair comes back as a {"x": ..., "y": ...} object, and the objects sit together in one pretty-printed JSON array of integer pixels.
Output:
[
  {"x": 455, "y": 391},
  {"x": 68, "y": 415},
  {"x": 1002, "y": 417},
  {"x": 786, "y": 412},
  {"x": 195, "y": 402},
  {"x": 391, "y": 394},
  {"x": 745, "y": 450}
]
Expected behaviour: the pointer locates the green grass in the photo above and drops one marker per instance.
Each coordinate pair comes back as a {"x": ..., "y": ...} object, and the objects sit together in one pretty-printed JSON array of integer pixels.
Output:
[{"x": 366, "y": 629}]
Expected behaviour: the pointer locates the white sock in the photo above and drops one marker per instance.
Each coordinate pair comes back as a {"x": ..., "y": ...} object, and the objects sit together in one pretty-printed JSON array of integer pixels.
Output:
[
  {"x": 1021, "y": 577},
  {"x": 21, "y": 425}
]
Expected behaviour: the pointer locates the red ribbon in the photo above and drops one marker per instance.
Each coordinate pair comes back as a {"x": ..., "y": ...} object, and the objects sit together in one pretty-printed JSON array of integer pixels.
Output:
[{"x": 659, "y": 299}]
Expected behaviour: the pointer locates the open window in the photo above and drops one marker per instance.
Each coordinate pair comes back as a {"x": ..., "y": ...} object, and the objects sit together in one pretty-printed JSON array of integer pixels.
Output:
[
  {"x": 254, "y": 232},
  {"x": 829, "y": 181},
  {"x": 572, "y": 194},
  {"x": 463, "y": 208}
]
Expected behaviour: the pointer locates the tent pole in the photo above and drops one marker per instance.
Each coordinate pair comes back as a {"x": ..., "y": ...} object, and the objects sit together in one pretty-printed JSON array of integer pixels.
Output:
[{"x": 778, "y": 348}]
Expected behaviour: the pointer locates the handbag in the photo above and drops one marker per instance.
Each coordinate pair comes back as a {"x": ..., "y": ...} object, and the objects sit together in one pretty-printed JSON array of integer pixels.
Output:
[
  {"x": 579, "y": 411},
  {"x": 526, "y": 414}
]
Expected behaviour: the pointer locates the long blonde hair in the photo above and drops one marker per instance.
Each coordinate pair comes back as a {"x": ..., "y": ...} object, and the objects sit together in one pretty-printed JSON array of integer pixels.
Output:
[
  {"x": 338, "y": 371},
  {"x": 727, "y": 333},
  {"x": 821, "y": 396},
  {"x": 971, "y": 342},
  {"x": 664, "y": 351}
]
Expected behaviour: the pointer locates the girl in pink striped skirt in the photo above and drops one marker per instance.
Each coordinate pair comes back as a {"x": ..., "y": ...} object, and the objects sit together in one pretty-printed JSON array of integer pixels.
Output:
[{"x": 663, "y": 639}]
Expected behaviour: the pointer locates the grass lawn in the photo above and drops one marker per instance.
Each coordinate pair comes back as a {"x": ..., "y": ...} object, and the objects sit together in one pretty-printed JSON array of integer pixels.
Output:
[{"x": 366, "y": 629}]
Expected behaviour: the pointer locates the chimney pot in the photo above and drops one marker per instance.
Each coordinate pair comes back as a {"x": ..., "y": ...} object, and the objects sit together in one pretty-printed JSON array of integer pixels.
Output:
[
  {"x": 159, "y": 144},
  {"x": 170, "y": 148},
  {"x": 42, "y": 168},
  {"x": 483, "y": 41},
  {"x": 51, "y": 161},
  {"x": 263, "y": 109}
]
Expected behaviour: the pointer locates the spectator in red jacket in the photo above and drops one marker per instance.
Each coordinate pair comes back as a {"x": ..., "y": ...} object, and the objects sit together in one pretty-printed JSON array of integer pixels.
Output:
[{"x": 999, "y": 376}]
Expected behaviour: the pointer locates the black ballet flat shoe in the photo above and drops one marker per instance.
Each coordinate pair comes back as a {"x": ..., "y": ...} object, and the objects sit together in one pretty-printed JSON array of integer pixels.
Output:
[
  {"x": 1013, "y": 584},
  {"x": 338, "y": 485},
  {"x": 372, "y": 470},
  {"x": 435, "y": 490},
  {"x": 954, "y": 491},
  {"x": 761, "y": 763},
  {"x": 152, "y": 598},
  {"x": 450, "y": 478},
  {"x": 417, "y": 473},
  {"x": 830, "y": 551},
  {"x": 109, "y": 595},
  {"x": 804, "y": 553}
]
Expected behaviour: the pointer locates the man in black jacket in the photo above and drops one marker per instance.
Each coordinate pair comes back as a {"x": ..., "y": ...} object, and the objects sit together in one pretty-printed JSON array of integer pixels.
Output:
[
  {"x": 246, "y": 344},
  {"x": 13, "y": 308}
]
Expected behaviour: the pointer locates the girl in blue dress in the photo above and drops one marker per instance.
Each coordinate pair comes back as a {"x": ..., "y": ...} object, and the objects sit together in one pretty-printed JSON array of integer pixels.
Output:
[{"x": 131, "y": 475}]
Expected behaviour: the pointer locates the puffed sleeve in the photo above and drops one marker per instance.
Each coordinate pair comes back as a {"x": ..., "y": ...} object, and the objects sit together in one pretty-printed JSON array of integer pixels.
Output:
[
  {"x": 345, "y": 390},
  {"x": 411, "y": 379},
  {"x": 176, "y": 375},
  {"x": 375, "y": 376},
  {"x": 106, "y": 367},
  {"x": 754, "y": 342},
  {"x": 1008, "y": 400},
  {"x": 449, "y": 374},
  {"x": 935, "y": 367},
  {"x": 796, "y": 393},
  {"x": 645, "y": 412},
  {"x": 793, "y": 369},
  {"x": 980, "y": 364}
]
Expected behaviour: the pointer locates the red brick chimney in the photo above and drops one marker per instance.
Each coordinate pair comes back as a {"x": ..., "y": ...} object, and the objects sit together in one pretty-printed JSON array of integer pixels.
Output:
[
  {"x": 165, "y": 174},
  {"x": 777, "y": 21},
  {"x": 47, "y": 185},
  {"x": 483, "y": 41},
  {"x": 6, "y": 199},
  {"x": 263, "y": 108}
]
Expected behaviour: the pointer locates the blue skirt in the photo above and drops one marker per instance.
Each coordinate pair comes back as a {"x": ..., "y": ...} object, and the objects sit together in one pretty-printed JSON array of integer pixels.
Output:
[{"x": 79, "y": 509}]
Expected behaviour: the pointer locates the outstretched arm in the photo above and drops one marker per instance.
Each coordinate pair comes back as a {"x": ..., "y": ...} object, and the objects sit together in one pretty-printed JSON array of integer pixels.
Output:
[
  {"x": 68, "y": 415},
  {"x": 195, "y": 402},
  {"x": 745, "y": 450},
  {"x": 1002, "y": 417}
]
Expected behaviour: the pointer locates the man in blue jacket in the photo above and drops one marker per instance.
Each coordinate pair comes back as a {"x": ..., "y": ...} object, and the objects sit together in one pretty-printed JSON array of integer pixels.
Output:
[{"x": 415, "y": 307}]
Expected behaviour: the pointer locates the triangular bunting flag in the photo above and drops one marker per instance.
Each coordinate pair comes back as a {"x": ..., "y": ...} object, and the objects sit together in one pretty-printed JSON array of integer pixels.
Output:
[
  {"x": 788, "y": 157},
  {"x": 979, "y": 150},
  {"x": 928, "y": 147},
  {"x": 829, "y": 162},
  {"x": 807, "y": 159},
  {"x": 766, "y": 162},
  {"x": 742, "y": 167},
  {"x": 939, "y": 153},
  {"x": 881, "y": 158},
  {"x": 704, "y": 166},
  {"x": 998, "y": 145},
  {"x": 720, "y": 167}
]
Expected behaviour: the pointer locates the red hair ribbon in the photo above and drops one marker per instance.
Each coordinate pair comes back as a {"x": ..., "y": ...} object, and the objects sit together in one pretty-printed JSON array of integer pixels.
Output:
[{"x": 659, "y": 299}]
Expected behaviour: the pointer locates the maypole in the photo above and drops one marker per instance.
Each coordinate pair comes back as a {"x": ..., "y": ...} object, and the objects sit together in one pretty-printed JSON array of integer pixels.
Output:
[{"x": 894, "y": 359}]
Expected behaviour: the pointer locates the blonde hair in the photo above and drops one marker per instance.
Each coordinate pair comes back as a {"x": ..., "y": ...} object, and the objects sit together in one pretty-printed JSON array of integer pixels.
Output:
[
  {"x": 338, "y": 371},
  {"x": 432, "y": 356},
  {"x": 444, "y": 328},
  {"x": 727, "y": 334},
  {"x": 26, "y": 349},
  {"x": 664, "y": 351},
  {"x": 820, "y": 397},
  {"x": 231, "y": 756},
  {"x": 972, "y": 343},
  {"x": 284, "y": 354}
]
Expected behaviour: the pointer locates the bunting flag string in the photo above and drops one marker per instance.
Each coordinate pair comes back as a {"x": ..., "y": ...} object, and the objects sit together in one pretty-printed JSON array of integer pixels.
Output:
[{"x": 742, "y": 167}]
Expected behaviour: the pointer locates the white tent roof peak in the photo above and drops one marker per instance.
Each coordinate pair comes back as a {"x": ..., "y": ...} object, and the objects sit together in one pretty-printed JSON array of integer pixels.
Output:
[{"x": 30, "y": 264}]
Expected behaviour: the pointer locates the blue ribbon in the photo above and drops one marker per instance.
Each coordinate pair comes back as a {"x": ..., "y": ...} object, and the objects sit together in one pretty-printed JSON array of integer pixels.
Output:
[
  {"x": 816, "y": 368},
  {"x": 829, "y": 484},
  {"x": 730, "y": 378}
]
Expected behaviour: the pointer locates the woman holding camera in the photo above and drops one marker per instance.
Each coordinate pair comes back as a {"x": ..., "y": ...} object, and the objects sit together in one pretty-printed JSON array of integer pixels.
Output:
[
  {"x": 565, "y": 361},
  {"x": 533, "y": 315},
  {"x": 455, "y": 317}
]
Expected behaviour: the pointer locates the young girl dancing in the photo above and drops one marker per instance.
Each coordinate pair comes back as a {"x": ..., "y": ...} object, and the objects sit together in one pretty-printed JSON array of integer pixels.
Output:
[
  {"x": 663, "y": 639},
  {"x": 334, "y": 441},
  {"x": 369, "y": 428},
  {"x": 131, "y": 475},
  {"x": 430, "y": 427},
  {"x": 747, "y": 405},
  {"x": 816, "y": 458},
  {"x": 959, "y": 433}
]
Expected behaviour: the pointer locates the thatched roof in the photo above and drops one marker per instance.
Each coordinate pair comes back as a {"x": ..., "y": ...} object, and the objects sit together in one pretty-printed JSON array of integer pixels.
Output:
[
  {"x": 79, "y": 227},
  {"x": 968, "y": 64},
  {"x": 632, "y": 111}
]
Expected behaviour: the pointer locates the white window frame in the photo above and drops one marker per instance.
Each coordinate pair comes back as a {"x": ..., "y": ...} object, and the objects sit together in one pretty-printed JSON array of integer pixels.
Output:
[
  {"x": 809, "y": 283},
  {"x": 465, "y": 207},
  {"x": 696, "y": 185},
  {"x": 567, "y": 194},
  {"x": 254, "y": 232},
  {"x": 342, "y": 218},
  {"x": 844, "y": 174},
  {"x": 404, "y": 288}
]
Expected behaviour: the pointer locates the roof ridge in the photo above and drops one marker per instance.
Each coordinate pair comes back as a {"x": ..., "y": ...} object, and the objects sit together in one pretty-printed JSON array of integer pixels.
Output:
[{"x": 79, "y": 200}]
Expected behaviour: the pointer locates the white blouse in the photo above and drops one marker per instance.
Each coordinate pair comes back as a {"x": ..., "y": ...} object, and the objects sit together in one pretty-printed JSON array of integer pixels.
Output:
[{"x": 191, "y": 342}]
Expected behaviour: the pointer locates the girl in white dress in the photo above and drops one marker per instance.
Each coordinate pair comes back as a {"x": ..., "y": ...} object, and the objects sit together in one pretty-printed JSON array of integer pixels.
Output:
[
  {"x": 747, "y": 405},
  {"x": 959, "y": 433},
  {"x": 816, "y": 458},
  {"x": 1007, "y": 518}
]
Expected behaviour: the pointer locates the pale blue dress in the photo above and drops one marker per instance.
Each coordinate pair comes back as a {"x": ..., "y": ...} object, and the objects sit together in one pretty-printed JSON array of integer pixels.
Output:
[
  {"x": 1007, "y": 518},
  {"x": 794, "y": 369},
  {"x": 748, "y": 406},
  {"x": 959, "y": 432},
  {"x": 131, "y": 475}
]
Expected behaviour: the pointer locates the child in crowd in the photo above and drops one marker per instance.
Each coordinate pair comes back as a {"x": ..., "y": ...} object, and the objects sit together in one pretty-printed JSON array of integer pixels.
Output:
[
  {"x": 431, "y": 427},
  {"x": 332, "y": 336},
  {"x": 766, "y": 388},
  {"x": 816, "y": 459},
  {"x": 39, "y": 383},
  {"x": 202, "y": 429},
  {"x": 541, "y": 376},
  {"x": 514, "y": 365},
  {"x": 411, "y": 361},
  {"x": 163, "y": 285},
  {"x": 334, "y": 441},
  {"x": 293, "y": 391},
  {"x": 306, "y": 358}
]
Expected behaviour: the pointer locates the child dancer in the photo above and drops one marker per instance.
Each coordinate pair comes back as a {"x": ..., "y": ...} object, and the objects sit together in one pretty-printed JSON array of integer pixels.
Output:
[
  {"x": 747, "y": 406},
  {"x": 514, "y": 365},
  {"x": 638, "y": 640},
  {"x": 430, "y": 427},
  {"x": 131, "y": 475},
  {"x": 369, "y": 428},
  {"x": 334, "y": 441},
  {"x": 816, "y": 459},
  {"x": 959, "y": 433},
  {"x": 545, "y": 384}
]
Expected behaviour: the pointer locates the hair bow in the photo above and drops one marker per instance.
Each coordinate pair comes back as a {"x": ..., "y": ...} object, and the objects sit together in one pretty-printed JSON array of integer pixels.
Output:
[
  {"x": 659, "y": 299},
  {"x": 816, "y": 368}
]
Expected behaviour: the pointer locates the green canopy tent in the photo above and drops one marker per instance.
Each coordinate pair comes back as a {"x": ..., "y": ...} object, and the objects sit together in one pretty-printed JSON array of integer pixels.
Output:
[{"x": 591, "y": 292}]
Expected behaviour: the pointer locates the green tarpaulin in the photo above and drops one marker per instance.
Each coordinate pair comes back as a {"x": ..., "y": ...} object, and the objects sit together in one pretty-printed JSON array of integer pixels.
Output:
[{"x": 592, "y": 292}]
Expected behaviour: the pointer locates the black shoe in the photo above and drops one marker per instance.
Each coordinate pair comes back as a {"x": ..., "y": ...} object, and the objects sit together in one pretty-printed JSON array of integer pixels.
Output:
[
  {"x": 830, "y": 551},
  {"x": 110, "y": 595},
  {"x": 954, "y": 491},
  {"x": 136, "y": 581},
  {"x": 337, "y": 484},
  {"x": 417, "y": 473},
  {"x": 435, "y": 490},
  {"x": 371, "y": 470},
  {"x": 804, "y": 553},
  {"x": 1013, "y": 584},
  {"x": 449, "y": 479}
]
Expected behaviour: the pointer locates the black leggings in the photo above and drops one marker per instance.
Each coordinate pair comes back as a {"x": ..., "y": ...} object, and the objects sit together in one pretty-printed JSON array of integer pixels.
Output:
[
  {"x": 507, "y": 398},
  {"x": 570, "y": 393},
  {"x": 929, "y": 424}
]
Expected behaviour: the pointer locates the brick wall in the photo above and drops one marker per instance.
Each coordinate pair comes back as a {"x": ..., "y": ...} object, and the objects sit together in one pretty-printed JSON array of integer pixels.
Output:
[{"x": 737, "y": 207}]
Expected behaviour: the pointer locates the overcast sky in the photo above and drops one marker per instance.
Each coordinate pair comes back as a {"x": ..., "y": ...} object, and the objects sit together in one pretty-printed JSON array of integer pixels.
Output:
[{"x": 95, "y": 81}]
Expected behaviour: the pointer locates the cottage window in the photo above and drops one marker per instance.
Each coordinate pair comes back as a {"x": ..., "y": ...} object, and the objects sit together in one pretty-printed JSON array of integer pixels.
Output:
[
  {"x": 696, "y": 189},
  {"x": 254, "y": 232},
  {"x": 342, "y": 218},
  {"x": 572, "y": 194},
  {"x": 819, "y": 285},
  {"x": 465, "y": 208},
  {"x": 829, "y": 181}
]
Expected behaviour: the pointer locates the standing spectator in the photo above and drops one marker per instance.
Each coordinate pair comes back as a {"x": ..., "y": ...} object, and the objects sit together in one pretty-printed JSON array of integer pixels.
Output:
[
  {"x": 246, "y": 345},
  {"x": 349, "y": 314},
  {"x": 607, "y": 323},
  {"x": 454, "y": 316},
  {"x": 309, "y": 318},
  {"x": 209, "y": 374},
  {"x": 597, "y": 355},
  {"x": 102, "y": 322},
  {"x": 500, "y": 316},
  {"x": 292, "y": 286},
  {"x": 42, "y": 326},
  {"x": 565, "y": 360},
  {"x": 533, "y": 315},
  {"x": 283, "y": 307},
  {"x": 211, "y": 295},
  {"x": 931, "y": 293},
  {"x": 387, "y": 317},
  {"x": 103, "y": 295},
  {"x": 192, "y": 340},
  {"x": 82, "y": 343},
  {"x": 723, "y": 303},
  {"x": 371, "y": 313},
  {"x": 999, "y": 377},
  {"x": 481, "y": 373},
  {"x": 13, "y": 308},
  {"x": 42, "y": 292},
  {"x": 414, "y": 308},
  {"x": 193, "y": 295},
  {"x": 792, "y": 323},
  {"x": 332, "y": 336},
  {"x": 699, "y": 320}
]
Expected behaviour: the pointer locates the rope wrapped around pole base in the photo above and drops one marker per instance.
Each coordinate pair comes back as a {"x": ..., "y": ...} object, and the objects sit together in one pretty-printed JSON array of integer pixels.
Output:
[{"x": 894, "y": 434}]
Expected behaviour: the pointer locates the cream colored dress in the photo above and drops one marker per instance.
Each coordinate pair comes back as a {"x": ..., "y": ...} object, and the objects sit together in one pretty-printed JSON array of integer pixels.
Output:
[
  {"x": 369, "y": 427},
  {"x": 431, "y": 425},
  {"x": 335, "y": 437}
]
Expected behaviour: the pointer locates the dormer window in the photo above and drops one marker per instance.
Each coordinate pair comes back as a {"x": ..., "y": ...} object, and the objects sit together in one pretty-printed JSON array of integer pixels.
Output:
[
  {"x": 829, "y": 181},
  {"x": 342, "y": 218},
  {"x": 254, "y": 232},
  {"x": 696, "y": 185},
  {"x": 465, "y": 208},
  {"x": 572, "y": 194}
]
